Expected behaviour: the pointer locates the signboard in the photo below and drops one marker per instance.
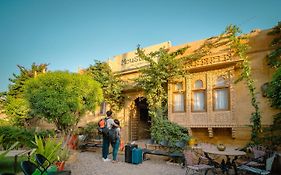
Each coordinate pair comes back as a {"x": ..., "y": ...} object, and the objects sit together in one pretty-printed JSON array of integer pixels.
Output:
[{"x": 130, "y": 61}]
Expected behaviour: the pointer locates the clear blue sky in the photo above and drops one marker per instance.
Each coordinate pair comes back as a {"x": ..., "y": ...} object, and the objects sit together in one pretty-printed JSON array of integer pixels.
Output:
[{"x": 68, "y": 34}]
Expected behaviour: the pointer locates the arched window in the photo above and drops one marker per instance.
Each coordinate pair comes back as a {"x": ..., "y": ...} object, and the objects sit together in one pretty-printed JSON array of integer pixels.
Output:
[
  {"x": 178, "y": 97},
  {"x": 221, "y": 95},
  {"x": 198, "y": 97}
]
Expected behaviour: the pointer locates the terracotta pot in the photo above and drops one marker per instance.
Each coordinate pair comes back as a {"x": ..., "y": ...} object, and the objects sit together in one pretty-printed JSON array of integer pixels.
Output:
[
  {"x": 60, "y": 165},
  {"x": 72, "y": 142}
]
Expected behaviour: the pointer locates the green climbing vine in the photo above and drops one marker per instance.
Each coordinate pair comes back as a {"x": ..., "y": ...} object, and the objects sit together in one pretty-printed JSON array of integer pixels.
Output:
[
  {"x": 171, "y": 65},
  {"x": 239, "y": 47},
  {"x": 154, "y": 81}
]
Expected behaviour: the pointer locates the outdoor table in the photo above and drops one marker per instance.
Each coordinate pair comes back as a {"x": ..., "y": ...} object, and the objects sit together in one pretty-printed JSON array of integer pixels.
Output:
[
  {"x": 228, "y": 152},
  {"x": 15, "y": 154}
]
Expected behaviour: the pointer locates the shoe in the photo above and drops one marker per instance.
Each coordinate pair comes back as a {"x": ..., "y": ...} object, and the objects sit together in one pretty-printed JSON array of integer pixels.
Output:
[
  {"x": 106, "y": 160},
  {"x": 114, "y": 161}
]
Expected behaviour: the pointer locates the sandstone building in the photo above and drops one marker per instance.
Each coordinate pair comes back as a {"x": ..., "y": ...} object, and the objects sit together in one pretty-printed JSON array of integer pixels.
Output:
[{"x": 207, "y": 102}]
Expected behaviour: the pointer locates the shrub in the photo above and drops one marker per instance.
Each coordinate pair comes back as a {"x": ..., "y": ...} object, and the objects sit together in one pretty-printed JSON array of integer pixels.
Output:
[{"x": 24, "y": 136}]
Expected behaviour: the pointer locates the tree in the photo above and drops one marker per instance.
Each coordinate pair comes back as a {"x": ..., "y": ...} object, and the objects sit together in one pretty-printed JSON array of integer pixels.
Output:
[
  {"x": 15, "y": 105},
  {"x": 111, "y": 84},
  {"x": 62, "y": 97}
]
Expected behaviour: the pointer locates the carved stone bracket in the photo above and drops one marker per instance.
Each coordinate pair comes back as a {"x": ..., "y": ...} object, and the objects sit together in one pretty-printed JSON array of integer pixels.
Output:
[
  {"x": 210, "y": 131},
  {"x": 233, "y": 133},
  {"x": 189, "y": 131}
]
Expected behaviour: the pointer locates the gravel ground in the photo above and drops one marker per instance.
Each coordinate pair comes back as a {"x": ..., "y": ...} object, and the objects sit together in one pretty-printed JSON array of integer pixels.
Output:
[{"x": 90, "y": 163}]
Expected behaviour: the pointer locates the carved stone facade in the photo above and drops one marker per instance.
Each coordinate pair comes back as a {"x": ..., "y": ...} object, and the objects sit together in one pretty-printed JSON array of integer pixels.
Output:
[{"x": 209, "y": 118}]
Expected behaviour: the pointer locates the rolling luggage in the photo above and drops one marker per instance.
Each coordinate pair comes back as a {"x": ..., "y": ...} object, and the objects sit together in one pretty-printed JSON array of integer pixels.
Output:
[
  {"x": 137, "y": 156},
  {"x": 128, "y": 152}
]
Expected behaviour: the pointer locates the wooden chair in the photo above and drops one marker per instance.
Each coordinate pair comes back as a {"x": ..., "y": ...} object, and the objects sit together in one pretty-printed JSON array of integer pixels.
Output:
[
  {"x": 267, "y": 170},
  {"x": 258, "y": 158},
  {"x": 193, "y": 164}
]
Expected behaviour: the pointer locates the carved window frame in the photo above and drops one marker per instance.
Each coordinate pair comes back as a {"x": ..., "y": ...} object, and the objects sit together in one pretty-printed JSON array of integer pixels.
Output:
[
  {"x": 177, "y": 91},
  {"x": 226, "y": 87},
  {"x": 197, "y": 90}
]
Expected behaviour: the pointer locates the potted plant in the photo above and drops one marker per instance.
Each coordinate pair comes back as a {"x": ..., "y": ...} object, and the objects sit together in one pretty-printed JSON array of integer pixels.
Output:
[
  {"x": 48, "y": 147},
  {"x": 62, "y": 157}
]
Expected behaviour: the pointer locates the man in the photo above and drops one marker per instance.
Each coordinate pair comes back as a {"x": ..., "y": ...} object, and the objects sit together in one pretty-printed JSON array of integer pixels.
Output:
[{"x": 105, "y": 143}]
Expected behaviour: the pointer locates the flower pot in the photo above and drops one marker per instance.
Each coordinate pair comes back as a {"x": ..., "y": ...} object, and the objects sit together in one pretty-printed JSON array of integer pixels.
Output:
[
  {"x": 72, "y": 142},
  {"x": 60, "y": 165}
]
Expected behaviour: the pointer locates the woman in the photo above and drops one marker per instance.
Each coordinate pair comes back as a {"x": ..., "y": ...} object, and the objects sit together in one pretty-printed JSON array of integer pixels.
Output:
[{"x": 116, "y": 142}]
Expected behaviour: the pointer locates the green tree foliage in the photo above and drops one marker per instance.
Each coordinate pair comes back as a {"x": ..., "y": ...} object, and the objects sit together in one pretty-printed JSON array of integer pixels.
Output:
[
  {"x": 112, "y": 85},
  {"x": 15, "y": 105},
  {"x": 62, "y": 97},
  {"x": 274, "y": 58},
  {"x": 274, "y": 90},
  {"x": 25, "y": 136},
  {"x": 272, "y": 135},
  {"x": 274, "y": 95},
  {"x": 164, "y": 66}
]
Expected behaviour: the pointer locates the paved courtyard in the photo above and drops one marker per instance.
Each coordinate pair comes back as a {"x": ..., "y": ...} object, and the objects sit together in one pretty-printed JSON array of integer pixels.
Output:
[{"x": 90, "y": 163}]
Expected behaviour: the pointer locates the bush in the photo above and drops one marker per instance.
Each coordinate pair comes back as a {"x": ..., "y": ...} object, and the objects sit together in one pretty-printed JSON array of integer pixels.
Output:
[
  {"x": 24, "y": 136},
  {"x": 12, "y": 134},
  {"x": 164, "y": 130},
  {"x": 4, "y": 122},
  {"x": 49, "y": 147}
]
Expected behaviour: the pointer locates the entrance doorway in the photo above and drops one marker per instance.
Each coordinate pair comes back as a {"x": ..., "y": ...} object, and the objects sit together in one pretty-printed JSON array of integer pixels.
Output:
[{"x": 141, "y": 122}]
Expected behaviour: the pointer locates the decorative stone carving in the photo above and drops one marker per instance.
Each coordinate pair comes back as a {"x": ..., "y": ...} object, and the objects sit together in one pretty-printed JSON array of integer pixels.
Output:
[
  {"x": 205, "y": 61},
  {"x": 233, "y": 133},
  {"x": 199, "y": 118},
  {"x": 211, "y": 119},
  {"x": 210, "y": 131},
  {"x": 222, "y": 118}
]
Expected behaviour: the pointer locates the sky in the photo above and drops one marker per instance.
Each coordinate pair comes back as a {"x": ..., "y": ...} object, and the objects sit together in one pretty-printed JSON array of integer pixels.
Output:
[{"x": 71, "y": 34}]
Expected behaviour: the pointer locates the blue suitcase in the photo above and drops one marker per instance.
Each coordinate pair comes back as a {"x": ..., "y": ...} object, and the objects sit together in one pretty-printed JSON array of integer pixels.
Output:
[
  {"x": 128, "y": 152},
  {"x": 137, "y": 156}
]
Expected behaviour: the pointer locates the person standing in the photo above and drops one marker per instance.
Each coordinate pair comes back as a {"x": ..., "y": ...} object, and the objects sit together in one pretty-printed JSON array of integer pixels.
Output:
[
  {"x": 105, "y": 142},
  {"x": 116, "y": 142}
]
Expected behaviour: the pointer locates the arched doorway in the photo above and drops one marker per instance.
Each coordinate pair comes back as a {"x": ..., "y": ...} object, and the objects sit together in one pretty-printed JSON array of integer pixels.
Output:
[{"x": 140, "y": 122}]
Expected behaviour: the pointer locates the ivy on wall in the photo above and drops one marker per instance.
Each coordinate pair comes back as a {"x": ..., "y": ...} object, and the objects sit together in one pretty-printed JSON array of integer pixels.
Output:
[
  {"x": 170, "y": 65},
  {"x": 239, "y": 47},
  {"x": 154, "y": 81}
]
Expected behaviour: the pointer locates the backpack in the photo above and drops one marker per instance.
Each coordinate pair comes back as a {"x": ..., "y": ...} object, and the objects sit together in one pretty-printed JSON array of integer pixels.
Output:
[
  {"x": 112, "y": 135},
  {"x": 102, "y": 127}
]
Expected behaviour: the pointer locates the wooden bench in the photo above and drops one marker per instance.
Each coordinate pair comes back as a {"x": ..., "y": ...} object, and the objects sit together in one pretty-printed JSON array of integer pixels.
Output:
[
  {"x": 173, "y": 155},
  {"x": 88, "y": 145}
]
